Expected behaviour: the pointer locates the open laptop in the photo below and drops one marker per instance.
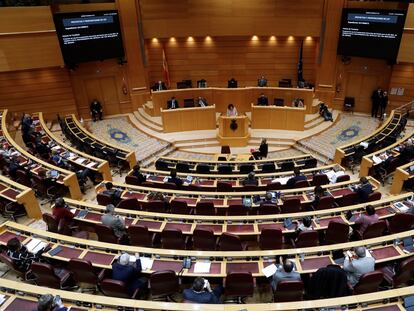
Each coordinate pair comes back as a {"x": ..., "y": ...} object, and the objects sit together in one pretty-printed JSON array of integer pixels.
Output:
[{"x": 408, "y": 244}]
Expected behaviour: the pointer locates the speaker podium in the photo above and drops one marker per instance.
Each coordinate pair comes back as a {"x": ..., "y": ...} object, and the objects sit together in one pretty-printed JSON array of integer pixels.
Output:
[{"x": 233, "y": 131}]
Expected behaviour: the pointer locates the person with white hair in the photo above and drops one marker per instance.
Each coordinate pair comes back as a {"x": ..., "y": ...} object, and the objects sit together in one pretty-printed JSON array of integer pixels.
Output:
[
  {"x": 128, "y": 271},
  {"x": 356, "y": 266}
]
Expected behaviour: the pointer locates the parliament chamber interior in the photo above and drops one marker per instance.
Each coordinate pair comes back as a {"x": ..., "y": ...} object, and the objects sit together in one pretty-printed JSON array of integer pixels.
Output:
[{"x": 206, "y": 155}]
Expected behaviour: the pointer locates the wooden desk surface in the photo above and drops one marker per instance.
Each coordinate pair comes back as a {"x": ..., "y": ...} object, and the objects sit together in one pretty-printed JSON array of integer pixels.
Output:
[{"x": 189, "y": 119}]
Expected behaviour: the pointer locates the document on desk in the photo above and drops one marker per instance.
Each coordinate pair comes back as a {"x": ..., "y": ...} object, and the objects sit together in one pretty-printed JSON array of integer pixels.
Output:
[
  {"x": 91, "y": 164},
  {"x": 35, "y": 245},
  {"x": 2, "y": 299},
  {"x": 269, "y": 270},
  {"x": 377, "y": 160},
  {"x": 202, "y": 267},
  {"x": 282, "y": 180},
  {"x": 80, "y": 160},
  {"x": 146, "y": 263}
]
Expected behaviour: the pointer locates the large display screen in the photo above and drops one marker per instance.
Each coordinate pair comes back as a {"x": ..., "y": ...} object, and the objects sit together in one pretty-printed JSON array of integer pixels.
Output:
[
  {"x": 371, "y": 33},
  {"x": 89, "y": 36}
]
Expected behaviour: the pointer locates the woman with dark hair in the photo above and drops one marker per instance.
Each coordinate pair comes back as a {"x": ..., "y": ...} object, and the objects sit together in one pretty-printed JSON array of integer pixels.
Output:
[
  {"x": 21, "y": 257},
  {"x": 231, "y": 111}
]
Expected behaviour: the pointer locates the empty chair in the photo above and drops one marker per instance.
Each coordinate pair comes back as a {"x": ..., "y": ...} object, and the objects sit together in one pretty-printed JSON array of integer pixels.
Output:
[
  {"x": 47, "y": 275},
  {"x": 205, "y": 208},
  {"x": 268, "y": 168},
  {"x": 325, "y": 202},
  {"x": 161, "y": 165},
  {"x": 374, "y": 196},
  {"x": 155, "y": 206},
  {"x": 179, "y": 207},
  {"x": 287, "y": 166},
  {"x": 337, "y": 232},
  {"x": 310, "y": 163},
  {"x": 225, "y": 169},
  {"x": 203, "y": 169},
  {"x": 239, "y": 285},
  {"x": 306, "y": 239},
  {"x": 270, "y": 239},
  {"x": 182, "y": 167},
  {"x": 51, "y": 222},
  {"x": 268, "y": 209},
  {"x": 246, "y": 168},
  {"x": 132, "y": 180},
  {"x": 67, "y": 227},
  {"x": 320, "y": 180},
  {"x": 204, "y": 240},
  {"x": 224, "y": 186},
  {"x": 225, "y": 149},
  {"x": 163, "y": 284},
  {"x": 168, "y": 185},
  {"x": 401, "y": 275},
  {"x": 249, "y": 188},
  {"x": 237, "y": 210},
  {"x": 230, "y": 242},
  {"x": 23, "y": 178},
  {"x": 114, "y": 288},
  {"x": 290, "y": 205},
  {"x": 173, "y": 239},
  {"x": 348, "y": 199},
  {"x": 373, "y": 230},
  {"x": 400, "y": 222},
  {"x": 140, "y": 236},
  {"x": 131, "y": 204},
  {"x": 104, "y": 199},
  {"x": 369, "y": 283},
  {"x": 84, "y": 273},
  {"x": 289, "y": 291},
  {"x": 301, "y": 184},
  {"x": 273, "y": 186},
  {"x": 106, "y": 234},
  {"x": 343, "y": 178}
]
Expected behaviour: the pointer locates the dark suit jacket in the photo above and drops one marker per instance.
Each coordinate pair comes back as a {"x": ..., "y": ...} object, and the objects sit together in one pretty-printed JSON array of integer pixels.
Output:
[
  {"x": 376, "y": 98},
  {"x": 363, "y": 191},
  {"x": 406, "y": 154},
  {"x": 128, "y": 274},
  {"x": 169, "y": 104},
  {"x": 232, "y": 83},
  {"x": 141, "y": 178},
  {"x": 176, "y": 181},
  {"x": 156, "y": 86},
  {"x": 203, "y": 297},
  {"x": 262, "y": 101},
  {"x": 291, "y": 182}
]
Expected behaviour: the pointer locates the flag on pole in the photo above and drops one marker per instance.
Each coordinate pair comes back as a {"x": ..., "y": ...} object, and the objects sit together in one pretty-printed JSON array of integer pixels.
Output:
[
  {"x": 165, "y": 71},
  {"x": 300, "y": 64}
]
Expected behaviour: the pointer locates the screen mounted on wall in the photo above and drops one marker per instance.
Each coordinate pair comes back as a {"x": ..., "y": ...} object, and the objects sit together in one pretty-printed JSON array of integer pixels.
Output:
[
  {"x": 89, "y": 36},
  {"x": 371, "y": 33}
]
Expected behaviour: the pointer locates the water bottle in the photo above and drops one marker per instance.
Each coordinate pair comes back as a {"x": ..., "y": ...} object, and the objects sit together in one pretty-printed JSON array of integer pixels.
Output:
[{"x": 302, "y": 257}]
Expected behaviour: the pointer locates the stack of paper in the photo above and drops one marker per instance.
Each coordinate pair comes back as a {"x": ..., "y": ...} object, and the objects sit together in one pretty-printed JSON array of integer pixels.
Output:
[
  {"x": 376, "y": 159},
  {"x": 80, "y": 160},
  {"x": 202, "y": 267},
  {"x": 282, "y": 180},
  {"x": 146, "y": 263},
  {"x": 269, "y": 270},
  {"x": 401, "y": 207},
  {"x": 2, "y": 299},
  {"x": 364, "y": 144},
  {"x": 91, "y": 164},
  {"x": 35, "y": 245}
]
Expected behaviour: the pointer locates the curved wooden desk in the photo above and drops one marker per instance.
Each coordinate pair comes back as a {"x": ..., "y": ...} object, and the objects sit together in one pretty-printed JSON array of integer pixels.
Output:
[
  {"x": 77, "y": 130},
  {"x": 77, "y": 158},
  {"x": 66, "y": 178},
  {"x": 28, "y": 296},
  {"x": 241, "y": 97},
  {"x": 402, "y": 174},
  {"x": 278, "y": 118},
  {"x": 15, "y": 192},
  {"x": 189, "y": 119}
]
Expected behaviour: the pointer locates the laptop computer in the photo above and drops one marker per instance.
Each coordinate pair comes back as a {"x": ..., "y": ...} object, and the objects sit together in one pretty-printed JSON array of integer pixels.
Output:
[
  {"x": 408, "y": 244},
  {"x": 288, "y": 223}
]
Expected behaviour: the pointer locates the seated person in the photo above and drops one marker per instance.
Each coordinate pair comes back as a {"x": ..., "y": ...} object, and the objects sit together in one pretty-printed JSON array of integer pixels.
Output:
[
  {"x": 365, "y": 220},
  {"x": 356, "y": 266},
  {"x": 83, "y": 176},
  {"x": 202, "y": 83},
  {"x": 57, "y": 159},
  {"x": 136, "y": 172},
  {"x": 262, "y": 151},
  {"x": 13, "y": 166},
  {"x": 21, "y": 257},
  {"x": 285, "y": 272},
  {"x": 202, "y": 102},
  {"x": 337, "y": 171},
  {"x": 41, "y": 148},
  {"x": 96, "y": 110},
  {"x": 114, "y": 193},
  {"x": 318, "y": 193},
  {"x": 262, "y": 81},
  {"x": 250, "y": 180},
  {"x": 325, "y": 113},
  {"x": 364, "y": 189},
  {"x": 268, "y": 199},
  {"x": 174, "y": 179},
  {"x": 201, "y": 292},
  {"x": 305, "y": 225},
  {"x": 407, "y": 152},
  {"x": 262, "y": 100},
  {"x": 298, "y": 177},
  {"x": 231, "y": 111},
  {"x": 62, "y": 210},
  {"x": 113, "y": 221},
  {"x": 232, "y": 83},
  {"x": 297, "y": 102},
  {"x": 159, "y": 86},
  {"x": 49, "y": 303},
  {"x": 172, "y": 103},
  {"x": 123, "y": 270}
]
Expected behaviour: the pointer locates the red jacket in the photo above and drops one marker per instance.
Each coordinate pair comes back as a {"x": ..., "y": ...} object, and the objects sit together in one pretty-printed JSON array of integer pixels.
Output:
[{"x": 62, "y": 212}]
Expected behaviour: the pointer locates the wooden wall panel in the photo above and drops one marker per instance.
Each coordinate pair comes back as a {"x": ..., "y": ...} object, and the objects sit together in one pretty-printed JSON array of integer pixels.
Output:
[
  {"x": 402, "y": 77},
  {"x": 405, "y": 53},
  {"x": 165, "y": 18},
  {"x": 46, "y": 90},
  {"x": 222, "y": 58},
  {"x": 26, "y": 19}
]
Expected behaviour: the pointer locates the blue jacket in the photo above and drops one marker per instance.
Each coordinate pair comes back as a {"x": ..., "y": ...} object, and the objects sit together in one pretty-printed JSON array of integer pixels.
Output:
[
  {"x": 364, "y": 191},
  {"x": 128, "y": 274}
]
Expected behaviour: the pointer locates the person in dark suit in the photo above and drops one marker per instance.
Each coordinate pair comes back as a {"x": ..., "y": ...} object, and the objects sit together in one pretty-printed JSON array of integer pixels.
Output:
[
  {"x": 262, "y": 151},
  {"x": 232, "y": 83},
  {"x": 123, "y": 271},
  {"x": 318, "y": 193},
  {"x": 202, "y": 102},
  {"x": 407, "y": 152},
  {"x": 376, "y": 102},
  {"x": 364, "y": 189},
  {"x": 49, "y": 303},
  {"x": 201, "y": 292},
  {"x": 262, "y": 81},
  {"x": 251, "y": 180},
  {"x": 159, "y": 86},
  {"x": 262, "y": 100},
  {"x": 174, "y": 179},
  {"x": 136, "y": 171},
  {"x": 172, "y": 103},
  {"x": 114, "y": 193},
  {"x": 298, "y": 177},
  {"x": 383, "y": 104},
  {"x": 96, "y": 110}
]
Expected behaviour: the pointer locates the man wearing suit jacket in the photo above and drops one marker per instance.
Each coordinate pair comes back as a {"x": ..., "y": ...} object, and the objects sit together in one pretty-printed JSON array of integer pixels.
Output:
[
  {"x": 262, "y": 81},
  {"x": 364, "y": 189},
  {"x": 123, "y": 271},
  {"x": 201, "y": 292},
  {"x": 172, "y": 103},
  {"x": 232, "y": 83},
  {"x": 262, "y": 100},
  {"x": 159, "y": 86},
  {"x": 376, "y": 102}
]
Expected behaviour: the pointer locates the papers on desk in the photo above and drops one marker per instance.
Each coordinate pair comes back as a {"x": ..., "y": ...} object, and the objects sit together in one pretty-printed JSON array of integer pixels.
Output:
[
  {"x": 73, "y": 210},
  {"x": 146, "y": 263},
  {"x": 282, "y": 180},
  {"x": 35, "y": 245},
  {"x": 364, "y": 144},
  {"x": 2, "y": 299},
  {"x": 202, "y": 267},
  {"x": 165, "y": 179},
  {"x": 377, "y": 160},
  {"x": 401, "y": 207},
  {"x": 269, "y": 270},
  {"x": 80, "y": 160},
  {"x": 91, "y": 164},
  {"x": 56, "y": 148}
]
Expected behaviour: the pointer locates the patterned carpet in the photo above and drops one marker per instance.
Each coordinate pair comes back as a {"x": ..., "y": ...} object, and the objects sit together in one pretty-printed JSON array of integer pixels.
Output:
[
  {"x": 349, "y": 128},
  {"x": 120, "y": 132}
]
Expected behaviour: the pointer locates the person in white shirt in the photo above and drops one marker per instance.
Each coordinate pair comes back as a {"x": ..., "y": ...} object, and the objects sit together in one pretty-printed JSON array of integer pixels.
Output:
[
  {"x": 337, "y": 171},
  {"x": 356, "y": 267}
]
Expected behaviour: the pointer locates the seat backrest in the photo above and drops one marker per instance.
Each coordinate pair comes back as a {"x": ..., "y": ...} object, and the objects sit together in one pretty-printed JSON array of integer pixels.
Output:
[
  {"x": 230, "y": 242},
  {"x": 163, "y": 283},
  {"x": 405, "y": 272},
  {"x": 204, "y": 240},
  {"x": 161, "y": 165},
  {"x": 51, "y": 222},
  {"x": 45, "y": 275},
  {"x": 83, "y": 271},
  {"x": 337, "y": 232},
  {"x": 274, "y": 186},
  {"x": 325, "y": 202},
  {"x": 368, "y": 283},
  {"x": 132, "y": 180},
  {"x": 320, "y": 179},
  {"x": 343, "y": 178},
  {"x": 310, "y": 163},
  {"x": 131, "y": 204},
  {"x": 268, "y": 209},
  {"x": 173, "y": 239},
  {"x": 114, "y": 288},
  {"x": 225, "y": 169},
  {"x": 10, "y": 263},
  {"x": 375, "y": 229},
  {"x": 224, "y": 186},
  {"x": 105, "y": 234},
  {"x": 178, "y": 206},
  {"x": 290, "y": 205},
  {"x": 225, "y": 149},
  {"x": 203, "y": 169},
  {"x": 348, "y": 199},
  {"x": 104, "y": 199},
  {"x": 289, "y": 291},
  {"x": 237, "y": 210},
  {"x": 246, "y": 168},
  {"x": 239, "y": 284},
  {"x": 401, "y": 222},
  {"x": 182, "y": 167},
  {"x": 301, "y": 184},
  {"x": 307, "y": 239},
  {"x": 155, "y": 206},
  {"x": 205, "y": 208},
  {"x": 268, "y": 168},
  {"x": 271, "y": 239},
  {"x": 139, "y": 236},
  {"x": 287, "y": 166},
  {"x": 374, "y": 196}
]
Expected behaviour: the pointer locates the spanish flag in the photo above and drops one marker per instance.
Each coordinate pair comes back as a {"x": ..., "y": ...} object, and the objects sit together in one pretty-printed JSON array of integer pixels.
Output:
[{"x": 165, "y": 71}]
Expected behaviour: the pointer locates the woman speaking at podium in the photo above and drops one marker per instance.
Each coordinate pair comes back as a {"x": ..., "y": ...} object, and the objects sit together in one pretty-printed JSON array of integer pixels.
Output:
[{"x": 231, "y": 111}]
